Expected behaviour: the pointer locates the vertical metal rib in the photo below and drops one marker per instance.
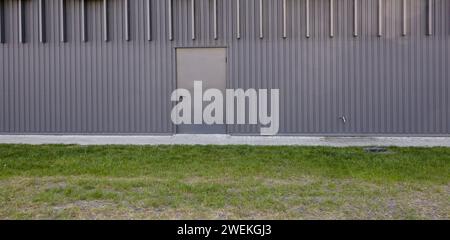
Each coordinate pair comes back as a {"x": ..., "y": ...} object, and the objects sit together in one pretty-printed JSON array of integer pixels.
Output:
[
  {"x": 41, "y": 21},
  {"x": 331, "y": 18},
  {"x": 430, "y": 17},
  {"x": 215, "y": 18},
  {"x": 149, "y": 20},
  {"x": 127, "y": 20},
  {"x": 62, "y": 19},
  {"x": 308, "y": 33},
  {"x": 284, "y": 19},
  {"x": 193, "y": 19},
  {"x": 2, "y": 22},
  {"x": 105, "y": 20},
  {"x": 21, "y": 22},
  {"x": 404, "y": 31},
  {"x": 261, "y": 15},
  {"x": 83, "y": 21},
  {"x": 170, "y": 19},
  {"x": 238, "y": 19},
  {"x": 355, "y": 18},
  {"x": 380, "y": 18}
]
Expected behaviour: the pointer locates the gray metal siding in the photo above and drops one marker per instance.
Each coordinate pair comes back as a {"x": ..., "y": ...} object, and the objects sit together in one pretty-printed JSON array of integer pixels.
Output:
[{"x": 383, "y": 85}]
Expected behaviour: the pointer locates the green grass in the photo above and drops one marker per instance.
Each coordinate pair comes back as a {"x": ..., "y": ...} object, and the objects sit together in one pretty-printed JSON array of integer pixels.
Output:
[{"x": 222, "y": 182}]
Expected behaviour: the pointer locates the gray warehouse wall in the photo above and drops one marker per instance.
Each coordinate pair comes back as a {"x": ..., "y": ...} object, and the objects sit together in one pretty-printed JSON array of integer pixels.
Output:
[{"x": 391, "y": 84}]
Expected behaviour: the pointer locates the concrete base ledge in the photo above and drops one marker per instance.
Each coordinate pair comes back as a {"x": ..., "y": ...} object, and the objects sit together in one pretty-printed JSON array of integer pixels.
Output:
[{"x": 227, "y": 140}]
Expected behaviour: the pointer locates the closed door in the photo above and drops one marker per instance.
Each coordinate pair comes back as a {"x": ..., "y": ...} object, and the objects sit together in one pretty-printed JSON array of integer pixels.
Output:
[{"x": 207, "y": 65}]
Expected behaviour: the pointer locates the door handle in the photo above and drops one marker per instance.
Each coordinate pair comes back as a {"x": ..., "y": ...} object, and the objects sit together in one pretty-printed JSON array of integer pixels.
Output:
[{"x": 344, "y": 119}]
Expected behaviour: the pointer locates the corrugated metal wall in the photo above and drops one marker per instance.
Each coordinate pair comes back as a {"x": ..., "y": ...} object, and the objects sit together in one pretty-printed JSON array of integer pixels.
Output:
[{"x": 391, "y": 84}]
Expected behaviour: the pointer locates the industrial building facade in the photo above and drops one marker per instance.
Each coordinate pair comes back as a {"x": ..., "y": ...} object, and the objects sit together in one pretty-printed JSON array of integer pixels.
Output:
[{"x": 343, "y": 67}]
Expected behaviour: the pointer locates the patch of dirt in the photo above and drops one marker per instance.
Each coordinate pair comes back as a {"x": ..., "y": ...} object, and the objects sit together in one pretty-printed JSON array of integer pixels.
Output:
[
  {"x": 85, "y": 205},
  {"x": 304, "y": 181},
  {"x": 200, "y": 180},
  {"x": 53, "y": 185}
]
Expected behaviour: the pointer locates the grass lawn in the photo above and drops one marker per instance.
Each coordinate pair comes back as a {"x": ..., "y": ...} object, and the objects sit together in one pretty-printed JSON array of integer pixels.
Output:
[{"x": 222, "y": 182}]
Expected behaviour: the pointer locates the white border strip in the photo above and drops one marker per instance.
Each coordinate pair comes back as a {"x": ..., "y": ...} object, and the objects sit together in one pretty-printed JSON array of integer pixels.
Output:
[{"x": 227, "y": 140}]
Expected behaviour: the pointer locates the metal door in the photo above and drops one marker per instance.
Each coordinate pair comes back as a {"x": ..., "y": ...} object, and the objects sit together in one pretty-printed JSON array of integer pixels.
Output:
[{"x": 209, "y": 66}]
